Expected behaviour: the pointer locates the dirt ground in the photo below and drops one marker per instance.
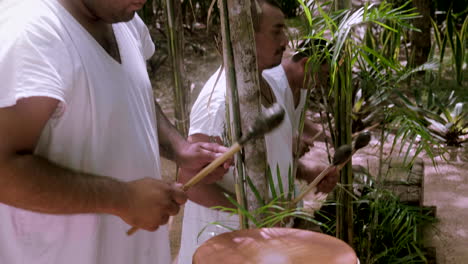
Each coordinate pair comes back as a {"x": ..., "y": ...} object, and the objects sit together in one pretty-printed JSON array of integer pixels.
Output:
[{"x": 446, "y": 187}]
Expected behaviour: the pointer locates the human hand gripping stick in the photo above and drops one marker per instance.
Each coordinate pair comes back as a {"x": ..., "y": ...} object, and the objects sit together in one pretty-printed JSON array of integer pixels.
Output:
[{"x": 271, "y": 119}]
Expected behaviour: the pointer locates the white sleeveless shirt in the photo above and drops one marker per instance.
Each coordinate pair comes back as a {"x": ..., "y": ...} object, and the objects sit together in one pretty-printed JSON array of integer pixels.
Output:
[{"x": 105, "y": 125}]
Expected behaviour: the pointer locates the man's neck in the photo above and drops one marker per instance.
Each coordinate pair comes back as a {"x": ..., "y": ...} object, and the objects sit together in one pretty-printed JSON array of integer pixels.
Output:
[
  {"x": 84, "y": 16},
  {"x": 267, "y": 97},
  {"x": 101, "y": 31}
]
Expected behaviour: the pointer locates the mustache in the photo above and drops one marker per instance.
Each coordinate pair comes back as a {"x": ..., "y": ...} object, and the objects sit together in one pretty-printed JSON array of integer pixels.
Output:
[{"x": 281, "y": 50}]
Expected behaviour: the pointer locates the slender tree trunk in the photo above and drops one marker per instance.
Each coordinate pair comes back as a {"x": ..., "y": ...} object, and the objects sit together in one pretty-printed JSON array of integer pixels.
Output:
[
  {"x": 176, "y": 53},
  {"x": 342, "y": 4},
  {"x": 343, "y": 109},
  {"x": 343, "y": 135},
  {"x": 421, "y": 41},
  {"x": 233, "y": 122},
  {"x": 246, "y": 79}
]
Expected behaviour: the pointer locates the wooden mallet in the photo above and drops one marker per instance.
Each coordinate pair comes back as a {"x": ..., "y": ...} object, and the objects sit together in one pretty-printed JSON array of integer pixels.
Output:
[
  {"x": 271, "y": 118},
  {"x": 342, "y": 155}
]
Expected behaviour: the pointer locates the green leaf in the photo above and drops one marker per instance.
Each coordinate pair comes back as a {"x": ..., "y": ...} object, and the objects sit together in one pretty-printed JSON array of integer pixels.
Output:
[
  {"x": 242, "y": 210},
  {"x": 280, "y": 182},
  {"x": 291, "y": 183},
  {"x": 306, "y": 12},
  {"x": 386, "y": 26},
  {"x": 381, "y": 58},
  {"x": 271, "y": 183},
  {"x": 255, "y": 191},
  {"x": 459, "y": 57},
  {"x": 216, "y": 224}
]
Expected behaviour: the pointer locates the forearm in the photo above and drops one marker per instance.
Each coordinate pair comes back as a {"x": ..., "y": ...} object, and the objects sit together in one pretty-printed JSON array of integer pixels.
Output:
[
  {"x": 209, "y": 195},
  {"x": 33, "y": 183},
  {"x": 307, "y": 170},
  {"x": 170, "y": 139}
]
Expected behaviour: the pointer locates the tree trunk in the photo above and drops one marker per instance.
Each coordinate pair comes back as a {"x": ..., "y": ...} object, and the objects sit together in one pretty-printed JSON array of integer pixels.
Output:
[
  {"x": 342, "y": 4},
  {"x": 343, "y": 109},
  {"x": 176, "y": 53},
  {"x": 421, "y": 41},
  {"x": 243, "y": 73}
]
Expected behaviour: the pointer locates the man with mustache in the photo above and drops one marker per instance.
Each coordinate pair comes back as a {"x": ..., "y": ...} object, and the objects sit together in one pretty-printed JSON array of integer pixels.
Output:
[
  {"x": 207, "y": 124},
  {"x": 81, "y": 136}
]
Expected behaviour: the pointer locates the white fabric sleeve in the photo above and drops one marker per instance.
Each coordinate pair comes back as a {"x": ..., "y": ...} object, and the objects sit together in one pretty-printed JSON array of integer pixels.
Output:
[
  {"x": 147, "y": 45},
  {"x": 208, "y": 115},
  {"x": 34, "y": 62}
]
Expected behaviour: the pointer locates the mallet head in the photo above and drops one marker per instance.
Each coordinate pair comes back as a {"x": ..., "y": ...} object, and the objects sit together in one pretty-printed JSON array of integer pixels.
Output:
[
  {"x": 362, "y": 140},
  {"x": 269, "y": 120},
  {"x": 342, "y": 154}
]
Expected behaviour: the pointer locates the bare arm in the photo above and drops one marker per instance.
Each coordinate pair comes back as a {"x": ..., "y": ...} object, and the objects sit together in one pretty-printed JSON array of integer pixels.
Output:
[
  {"x": 308, "y": 169},
  {"x": 190, "y": 155},
  {"x": 208, "y": 194},
  {"x": 170, "y": 140},
  {"x": 33, "y": 183}
]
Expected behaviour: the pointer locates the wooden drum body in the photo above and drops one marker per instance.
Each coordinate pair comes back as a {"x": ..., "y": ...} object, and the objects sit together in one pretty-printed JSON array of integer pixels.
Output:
[{"x": 274, "y": 246}]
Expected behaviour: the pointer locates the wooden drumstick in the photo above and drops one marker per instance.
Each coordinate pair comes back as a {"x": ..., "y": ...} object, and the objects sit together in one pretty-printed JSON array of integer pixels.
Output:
[
  {"x": 271, "y": 119},
  {"x": 342, "y": 156}
]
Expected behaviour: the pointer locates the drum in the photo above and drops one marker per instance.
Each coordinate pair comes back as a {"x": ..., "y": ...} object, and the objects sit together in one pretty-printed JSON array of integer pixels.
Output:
[{"x": 274, "y": 246}]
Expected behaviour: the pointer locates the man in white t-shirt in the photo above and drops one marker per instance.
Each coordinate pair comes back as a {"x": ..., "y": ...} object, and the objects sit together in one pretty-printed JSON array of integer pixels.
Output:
[
  {"x": 207, "y": 123},
  {"x": 81, "y": 136}
]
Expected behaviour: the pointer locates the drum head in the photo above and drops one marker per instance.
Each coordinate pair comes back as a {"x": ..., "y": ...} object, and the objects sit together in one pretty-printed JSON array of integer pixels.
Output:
[{"x": 274, "y": 246}]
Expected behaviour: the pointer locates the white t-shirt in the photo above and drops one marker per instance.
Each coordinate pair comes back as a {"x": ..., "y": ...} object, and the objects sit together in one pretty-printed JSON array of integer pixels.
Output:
[
  {"x": 105, "y": 125},
  {"x": 208, "y": 116}
]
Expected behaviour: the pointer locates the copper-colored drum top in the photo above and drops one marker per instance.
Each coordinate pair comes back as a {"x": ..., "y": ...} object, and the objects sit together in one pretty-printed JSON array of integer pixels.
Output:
[{"x": 274, "y": 246}]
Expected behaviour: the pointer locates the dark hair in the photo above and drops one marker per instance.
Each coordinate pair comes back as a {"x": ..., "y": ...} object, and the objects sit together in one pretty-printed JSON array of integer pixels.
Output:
[{"x": 256, "y": 10}]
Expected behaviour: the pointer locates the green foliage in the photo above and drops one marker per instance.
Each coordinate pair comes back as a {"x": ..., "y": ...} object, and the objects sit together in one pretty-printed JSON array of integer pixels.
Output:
[
  {"x": 452, "y": 126},
  {"x": 459, "y": 7},
  {"x": 386, "y": 230},
  {"x": 458, "y": 42},
  {"x": 396, "y": 237},
  {"x": 364, "y": 50},
  {"x": 378, "y": 75},
  {"x": 273, "y": 212},
  {"x": 443, "y": 115}
]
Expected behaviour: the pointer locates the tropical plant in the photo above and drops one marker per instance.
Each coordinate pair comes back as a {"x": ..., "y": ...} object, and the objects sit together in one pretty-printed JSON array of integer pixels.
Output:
[
  {"x": 369, "y": 63},
  {"x": 274, "y": 211},
  {"x": 396, "y": 236},
  {"x": 443, "y": 115},
  {"x": 452, "y": 123},
  {"x": 458, "y": 41}
]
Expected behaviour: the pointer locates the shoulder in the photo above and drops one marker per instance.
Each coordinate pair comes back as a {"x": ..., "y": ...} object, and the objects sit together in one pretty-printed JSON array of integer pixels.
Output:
[
  {"x": 34, "y": 53},
  {"x": 137, "y": 26},
  {"x": 33, "y": 26},
  {"x": 208, "y": 113},
  {"x": 141, "y": 33},
  {"x": 34, "y": 30},
  {"x": 32, "y": 17},
  {"x": 276, "y": 77},
  {"x": 213, "y": 94}
]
